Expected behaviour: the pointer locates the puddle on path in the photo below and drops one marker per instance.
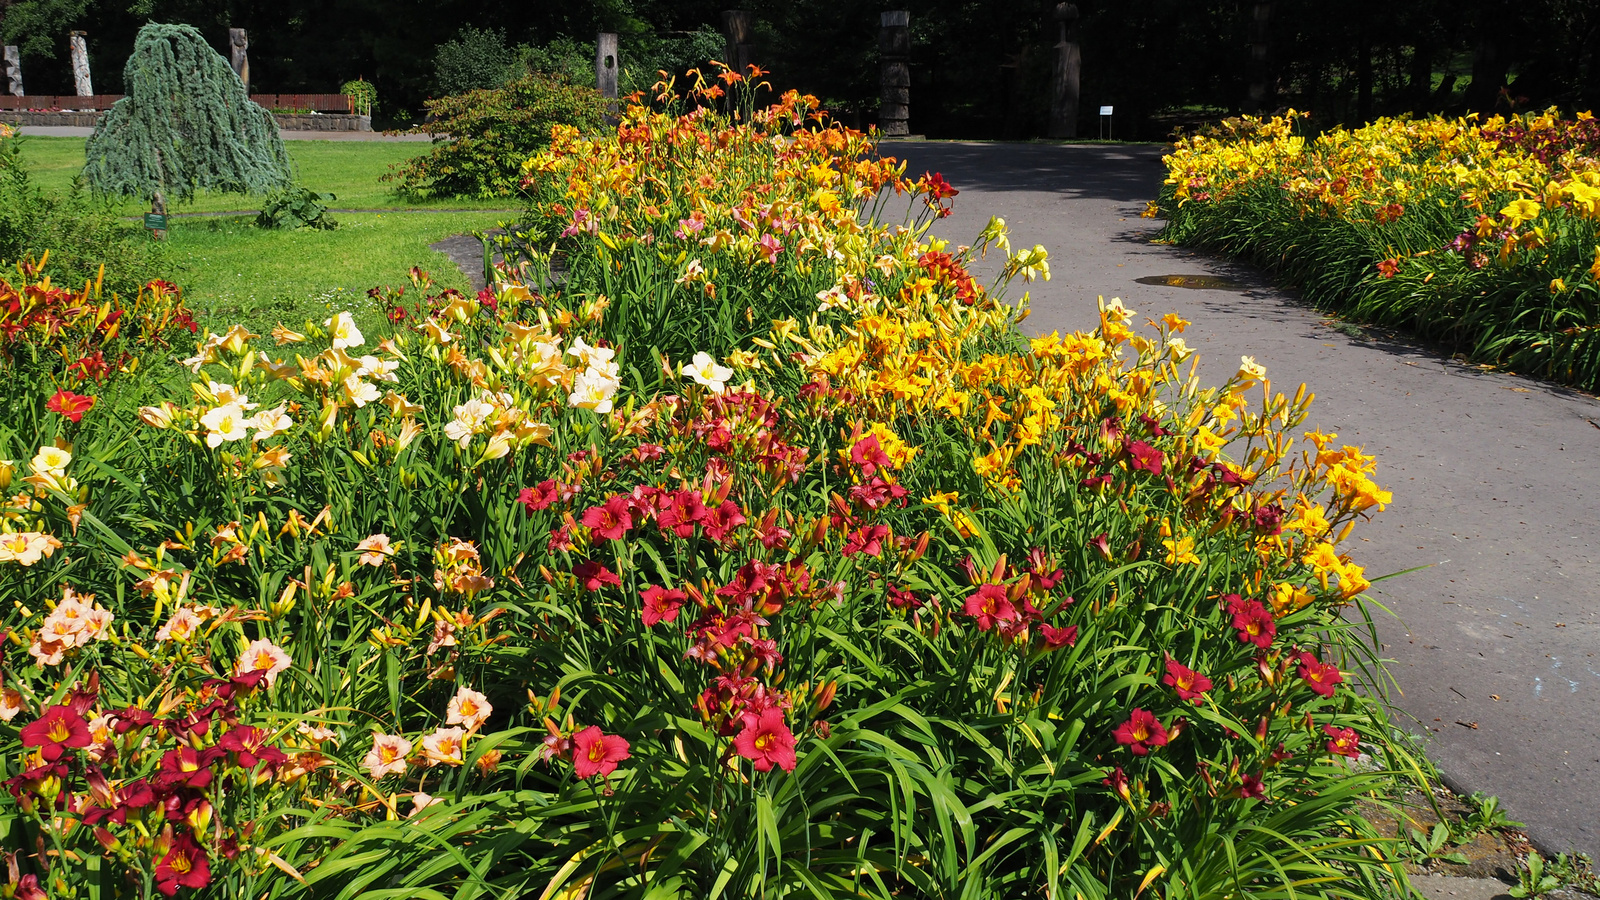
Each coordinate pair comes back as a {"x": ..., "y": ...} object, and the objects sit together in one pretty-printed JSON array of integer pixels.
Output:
[{"x": 1197, "y": 282}]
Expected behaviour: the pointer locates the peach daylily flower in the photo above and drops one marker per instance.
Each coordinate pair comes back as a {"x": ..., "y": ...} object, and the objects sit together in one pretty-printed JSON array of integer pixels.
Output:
[
  {"x": 445, "y": 745},
  {"x": 10, "y": 704},
  {"x": 263, "y": 656},
  {"x": 375, "y": 549},
  {"x": 468, "y": 708},
  {"x": 180, "y": 627},
  {"x": 387, "y": 756},
  {"x": 27, "y": 547}
]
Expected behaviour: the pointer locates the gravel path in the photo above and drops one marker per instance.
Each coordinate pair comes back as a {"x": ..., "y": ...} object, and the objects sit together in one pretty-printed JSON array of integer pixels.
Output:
[{"x": 1496, "y": 478}]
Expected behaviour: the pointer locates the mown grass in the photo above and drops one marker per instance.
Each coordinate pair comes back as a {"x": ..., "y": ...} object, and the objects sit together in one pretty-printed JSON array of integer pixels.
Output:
[
  {"x": 233, "y": 271},
  {"x": 350, "y": 170}
]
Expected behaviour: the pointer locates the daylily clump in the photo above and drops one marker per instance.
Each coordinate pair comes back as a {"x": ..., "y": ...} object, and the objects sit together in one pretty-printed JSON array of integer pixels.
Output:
[
  {"x": 1485, "y": 234},
  {"x": 830, "y": 582}
]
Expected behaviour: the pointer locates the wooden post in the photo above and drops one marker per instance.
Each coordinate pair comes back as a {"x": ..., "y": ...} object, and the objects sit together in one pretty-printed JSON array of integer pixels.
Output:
[
  {"x": 14, "y": 71},
  {"x": 1065, "y": 81},
  {"x": 1259, "y": 98},
  {"x": 894, "y": 49},
  {"x": 605, "y": 64},
  {"x": 239, "y": 43},
  {"x": 80, "y": 64},
  {"x": 738, "y": 27}
]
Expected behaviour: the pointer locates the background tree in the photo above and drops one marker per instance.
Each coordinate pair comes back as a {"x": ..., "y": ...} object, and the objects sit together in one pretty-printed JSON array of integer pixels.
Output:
[
  {"x": 186, "y": 123},
  {"x": 980, "y": 68}
]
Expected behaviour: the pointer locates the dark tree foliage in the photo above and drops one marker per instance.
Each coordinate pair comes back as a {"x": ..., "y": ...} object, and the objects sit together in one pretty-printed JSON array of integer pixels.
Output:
[
  {"x": 980, "y": 68},
  {"x": 185, "y": 124}
]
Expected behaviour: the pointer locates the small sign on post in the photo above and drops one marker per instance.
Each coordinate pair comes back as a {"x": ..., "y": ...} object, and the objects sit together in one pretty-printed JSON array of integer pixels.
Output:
[
  {"x": 1105, "y": 123},
  {"x": 155, "y": 221}
]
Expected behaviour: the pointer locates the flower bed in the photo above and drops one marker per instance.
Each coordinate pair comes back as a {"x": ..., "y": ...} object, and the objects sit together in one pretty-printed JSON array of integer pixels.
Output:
[
  {"x": 1483, "y": 236},
  {"x": 839, "y": 588}
]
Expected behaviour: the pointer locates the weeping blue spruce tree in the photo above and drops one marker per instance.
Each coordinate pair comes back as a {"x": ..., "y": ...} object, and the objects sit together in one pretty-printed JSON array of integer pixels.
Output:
[{"x": 186, "y": 123}]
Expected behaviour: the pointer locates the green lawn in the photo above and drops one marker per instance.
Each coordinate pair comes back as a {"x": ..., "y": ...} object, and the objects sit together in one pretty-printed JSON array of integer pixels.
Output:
[
  {"x": 232, "y": 271},
  {"x": 348, "y": 169}
]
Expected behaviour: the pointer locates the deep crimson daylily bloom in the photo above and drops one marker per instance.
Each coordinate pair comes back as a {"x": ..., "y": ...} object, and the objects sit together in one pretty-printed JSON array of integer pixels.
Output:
[
  {"x": 611, "y": 520},
  {"x": 1189, "y": 684},
  {"x": 1342, "y": 741},
  {"x": 54, "y": 732},
  {"x": 593, "y": 576},
  {"x": 990, "y": 606},
  {"x": 1318, "y": 675},
  {"x": 1054, "y": 638},
  {"x": 1141, "y": 732},
  {"x": 1254, "y": 623},
  {"x": 1144, "y": 457},
  {"x": 185, "y": 865}
]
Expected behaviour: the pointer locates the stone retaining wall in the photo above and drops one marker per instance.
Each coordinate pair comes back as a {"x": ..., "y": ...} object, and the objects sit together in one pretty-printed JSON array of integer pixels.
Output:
[{"x": 332, "y": 122}]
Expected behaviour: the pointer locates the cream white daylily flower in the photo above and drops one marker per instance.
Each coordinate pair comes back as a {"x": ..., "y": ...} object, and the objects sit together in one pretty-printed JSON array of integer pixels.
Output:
[
  {"x": 704, "y": 370},
  {"x": 593, "y": 390},
  {"x": 225, "y": 423},
  {"x": 590, "y": 357},
  {"x": 270, "y": 422},
  {"x": 344, "y": 331}
]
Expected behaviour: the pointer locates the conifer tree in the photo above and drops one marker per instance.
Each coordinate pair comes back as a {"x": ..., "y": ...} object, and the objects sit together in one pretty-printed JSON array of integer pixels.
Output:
[{"x": 186, "y": 123}]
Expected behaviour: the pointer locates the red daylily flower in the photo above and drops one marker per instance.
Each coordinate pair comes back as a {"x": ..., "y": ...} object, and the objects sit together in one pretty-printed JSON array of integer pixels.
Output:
[
  {"x": 1145, "y": 457},
  {"x": 609, "y": 521},
  {"x": 902, "y": 599},
  {"x": 249, "y": 744},
  {"x": 1343, "y": 741},
  {"x": 990, "y": 606},
  {"x": 186, "y": 767},
  {"x": 594, "y": 753},
  {"x": 1054, "y": 638},
  {"x": 539, "y": 496},
  {"x": 868, "y": 455},
  {"x": 593, "y": 576},
  {"x": 1250, "y": 788},
  {"x": 766, "y": 741},
  {"x": 71, "y": 405},
  {"x": 679, "y": 511},
  {"x": 866, "y": 539},
  {"x": 1254, "y": 623},
  {"x": 1189, "y": 684},
  {"x": 54, "y": 732},
  {"x": 661, "y": 605},
  {"x": 1141, "y": 732},
  {"x": 720, "y": 522},
  {"x": 185, "y": 865},
  {"x": 1318, "y": 675}
]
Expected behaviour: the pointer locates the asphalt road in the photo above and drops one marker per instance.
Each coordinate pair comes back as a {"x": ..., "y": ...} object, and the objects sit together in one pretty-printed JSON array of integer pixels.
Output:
[{"x": 1496, "y": 478}]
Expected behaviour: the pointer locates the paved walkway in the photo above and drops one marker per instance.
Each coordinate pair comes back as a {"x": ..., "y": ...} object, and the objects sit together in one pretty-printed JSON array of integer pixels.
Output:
[{"x": 1496, "y": 479}]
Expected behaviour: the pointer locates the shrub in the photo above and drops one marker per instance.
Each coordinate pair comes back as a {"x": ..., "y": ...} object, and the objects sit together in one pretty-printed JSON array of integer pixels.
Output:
[
  {"x": 1485, "y": 237},
  {"x": 886, "y": 602},
  {"x": 474, "y": 60},
  {"x": 85, "y": 240},
  {"x": 363, "y": 95},
  {"x": 483, "y": 136}
]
